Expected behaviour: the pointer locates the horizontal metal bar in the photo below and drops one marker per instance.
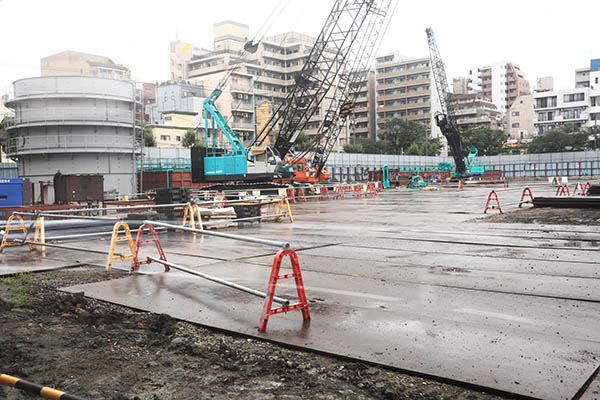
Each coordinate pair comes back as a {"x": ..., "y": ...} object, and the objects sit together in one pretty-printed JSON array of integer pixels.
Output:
[
  {"x": 66, "y": 216},
  {"x": 61, "y": 246},
  {"x": 220, "y": 281},
  {"x": 216, "y": 222},
  {"x": 84, "y": 235},
  {"x": 114, "y": 208},
  {"x": 273, "y": 243}
]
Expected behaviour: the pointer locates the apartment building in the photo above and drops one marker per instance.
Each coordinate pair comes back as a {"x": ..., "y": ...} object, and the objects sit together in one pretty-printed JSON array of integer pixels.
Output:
[
  {"x": 170, "y": 133},
  {"x": 476, "y": 110},
  {"x": 405, "y": 89},
  {"x": 579, "y": 106},
  {"x": 502, "y": 82},
  {"x": 83, "y": 64},
  {"x": 594, "y": 110},
  {"x": 266, "y": 75},
  {"x": 519, "y": 119},
  {"x": 559, "y": 107}
]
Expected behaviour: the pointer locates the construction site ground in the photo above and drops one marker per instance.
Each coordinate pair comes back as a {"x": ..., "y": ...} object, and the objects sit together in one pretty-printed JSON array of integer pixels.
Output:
[{"x": 411, "y": 294}]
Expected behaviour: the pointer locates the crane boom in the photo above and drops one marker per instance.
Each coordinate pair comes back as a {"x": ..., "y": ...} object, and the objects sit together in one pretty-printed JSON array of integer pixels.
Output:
[
  {"x": 446, "y": 118},
  {"x": 349, "y": 83},
  {"x": 324, "y": 64}
]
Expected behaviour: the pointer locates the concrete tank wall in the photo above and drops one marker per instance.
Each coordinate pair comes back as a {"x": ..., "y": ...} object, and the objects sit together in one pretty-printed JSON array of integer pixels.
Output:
[{"x": 75, "y": 125}]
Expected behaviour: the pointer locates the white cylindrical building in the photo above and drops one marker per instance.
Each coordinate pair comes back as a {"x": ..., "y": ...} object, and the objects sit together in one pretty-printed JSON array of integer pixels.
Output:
[{"x": 75, "y": 125}]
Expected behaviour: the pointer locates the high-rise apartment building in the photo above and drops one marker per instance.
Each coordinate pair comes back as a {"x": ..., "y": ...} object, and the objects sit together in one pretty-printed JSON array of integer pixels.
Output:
[
  {"x": 404, "y": 89},
  {"x": 266, "y": 75},
  {"x": 83, "y": 64},
  {"x": 502, "y": 82}
]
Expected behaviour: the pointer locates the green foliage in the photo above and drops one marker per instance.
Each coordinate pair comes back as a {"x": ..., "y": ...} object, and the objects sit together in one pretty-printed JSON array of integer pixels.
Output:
[
  {"x": 563, "y": 138},
  {"x": 372, "y": 146},
  {"x": 148, "y": 137},
  {"x": 190, "y": 138},
  {"x": 488, "y": 141},
  {"x": 353, "y": 148},
  {"x": 398, "y": 134},
  {"x": 402, "y": 136},
  {"x": 302, "y": 142}
]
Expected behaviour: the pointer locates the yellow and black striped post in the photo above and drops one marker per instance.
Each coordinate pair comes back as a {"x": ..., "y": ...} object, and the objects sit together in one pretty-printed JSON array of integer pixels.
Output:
[{"x": 29, "y": 387}]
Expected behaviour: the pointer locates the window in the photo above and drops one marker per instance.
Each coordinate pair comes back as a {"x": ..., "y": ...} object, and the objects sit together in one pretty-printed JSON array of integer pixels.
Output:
[
  {"x": 178, "y": 138},
  {"x": 516, "y": 125},
  {"x": 165, "y": 137},
  {"x": 569, "y": 98},
  {"x": 515, "y": 114},
  {"x": 168, "y": 118}
]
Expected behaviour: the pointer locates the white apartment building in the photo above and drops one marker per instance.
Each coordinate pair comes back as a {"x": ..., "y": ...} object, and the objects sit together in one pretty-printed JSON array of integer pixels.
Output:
[{"x": 560, "y": 107}]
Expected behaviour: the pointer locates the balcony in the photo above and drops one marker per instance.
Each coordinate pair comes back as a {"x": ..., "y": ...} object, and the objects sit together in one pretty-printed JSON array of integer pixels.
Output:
[
  {"x": 242, "y": 106},
  {"x": 242, "y": 125}
]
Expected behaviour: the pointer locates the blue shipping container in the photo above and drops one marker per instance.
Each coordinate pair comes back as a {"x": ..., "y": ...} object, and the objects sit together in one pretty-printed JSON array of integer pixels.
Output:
[{"x": 11, "y": 192}]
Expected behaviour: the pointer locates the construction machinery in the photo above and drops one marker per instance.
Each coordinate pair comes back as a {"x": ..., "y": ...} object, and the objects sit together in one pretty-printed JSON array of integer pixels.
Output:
[
  {"x": 446, "y": 117},
  {"x": 351, "y": 74},
  {"x": 338, "y": 62}
]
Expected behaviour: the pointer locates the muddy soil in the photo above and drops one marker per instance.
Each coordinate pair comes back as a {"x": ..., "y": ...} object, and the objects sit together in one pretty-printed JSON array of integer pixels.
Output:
[
  {"x": 548, "y": 216},
  {"x": 99, "y": 350}
]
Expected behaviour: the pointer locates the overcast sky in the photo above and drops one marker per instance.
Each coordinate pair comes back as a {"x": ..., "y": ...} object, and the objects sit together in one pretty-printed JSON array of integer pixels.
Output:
[{"x": 546, "y": 38}]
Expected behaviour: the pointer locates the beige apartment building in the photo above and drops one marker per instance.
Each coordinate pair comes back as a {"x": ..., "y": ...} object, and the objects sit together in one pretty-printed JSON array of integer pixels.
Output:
[
  {"x": 519, "y": 119},
  {"x": 176, "y": 124},
  {"x": 83, "y": 64},
  {"x": 264, "y": 76},
  {"x": 404, "y": 89}
]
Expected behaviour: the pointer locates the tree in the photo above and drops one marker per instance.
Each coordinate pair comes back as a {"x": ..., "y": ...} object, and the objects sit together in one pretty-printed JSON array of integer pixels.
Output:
[
  {"x": 593, "y": 137},
  {"x": 190, "y": 138},
  {"x": 353, "y": 148},
  {"x": 563, "y": 138},
  {"x": 398, "y": 134},
  {"x": 302, "y": 142},
  {"x": 149, "y": 137},
  {"x": 488, "y": 141},
  {"x": 371, "y": 146},
  {"x": 434, "y": 147}
]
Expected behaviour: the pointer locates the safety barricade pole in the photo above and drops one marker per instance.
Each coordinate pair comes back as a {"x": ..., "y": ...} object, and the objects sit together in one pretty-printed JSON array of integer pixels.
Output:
[
  {"x": 192, "y": 212},
  {"x": 581, "y": 188},
  {"x": 526, "y": 192},
  {"x": 371, "y": 190},
  {"x": 275, "y": 277},
  {"x": 493, "y": 196},
  {"x": 358, "y": 190},
  {"x": 301, "y": 193},
  {"x": 586, "y": 189},
  {"x": 324, "y": 193},
  {"x": 136, "y": 263},
  {"x": 290, "y": 194},
  {"x": 284, "y": 203},
  {"x": 33, "y": 388},
  {"x": 113, "y": 243},
  {"x": 338, "y": 193},
  {"x": 563, "y": 190},
  {"x": 11, "y": 228}
]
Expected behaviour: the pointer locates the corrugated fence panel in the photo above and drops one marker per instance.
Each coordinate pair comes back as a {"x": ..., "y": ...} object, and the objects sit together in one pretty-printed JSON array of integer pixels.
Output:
[{"x": 9, "y": 170}]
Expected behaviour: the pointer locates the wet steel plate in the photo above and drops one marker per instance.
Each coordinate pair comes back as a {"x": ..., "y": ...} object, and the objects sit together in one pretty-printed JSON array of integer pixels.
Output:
[{"x": 533, "y": 346}]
